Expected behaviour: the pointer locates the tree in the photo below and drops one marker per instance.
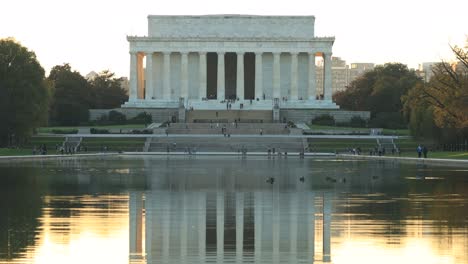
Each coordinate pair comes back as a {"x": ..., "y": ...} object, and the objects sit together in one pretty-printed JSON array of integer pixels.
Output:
[
  {"x": 107, "y": 90},
  {"x": 24, "y": 93},
  {"x": 70, "y": 104},
  {"x": 379, "y": 91},
  {"x": 446, "y": 97}
]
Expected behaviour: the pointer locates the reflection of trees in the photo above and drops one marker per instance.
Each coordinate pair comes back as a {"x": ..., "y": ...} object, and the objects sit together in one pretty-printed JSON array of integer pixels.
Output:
[{"x": 20, "y": 207}]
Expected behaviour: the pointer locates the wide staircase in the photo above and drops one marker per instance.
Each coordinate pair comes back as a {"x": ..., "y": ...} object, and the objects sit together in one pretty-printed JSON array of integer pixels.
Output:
[
  {"x": 224, "y": 144},
  {"x": 232, "y": 128},
  {"x": 386, "y": 143}
]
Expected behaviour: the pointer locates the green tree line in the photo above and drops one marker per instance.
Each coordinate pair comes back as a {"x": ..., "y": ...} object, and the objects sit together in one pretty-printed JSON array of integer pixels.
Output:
[{"x": 29, "y": 99}]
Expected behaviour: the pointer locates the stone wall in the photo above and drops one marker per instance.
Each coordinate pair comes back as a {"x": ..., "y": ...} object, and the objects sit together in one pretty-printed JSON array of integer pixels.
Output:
[
  {"x": 158, "y": 115},
  {"x": 306, "y": 115}
]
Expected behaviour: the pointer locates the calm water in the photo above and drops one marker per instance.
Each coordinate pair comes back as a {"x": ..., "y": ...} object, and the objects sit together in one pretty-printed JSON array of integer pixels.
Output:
[{"x": 223, "y": 210}]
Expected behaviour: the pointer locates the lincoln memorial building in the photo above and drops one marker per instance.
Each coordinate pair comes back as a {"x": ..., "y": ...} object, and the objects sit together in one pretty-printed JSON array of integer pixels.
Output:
[{"x": 246, "y": 62}]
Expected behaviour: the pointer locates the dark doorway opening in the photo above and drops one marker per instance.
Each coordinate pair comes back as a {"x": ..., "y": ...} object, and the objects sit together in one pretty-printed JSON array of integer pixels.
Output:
[
  {"x": 211, "y": 75},
  {"x": 230, "y": 68},
  {"x": 249, "y": 75}
]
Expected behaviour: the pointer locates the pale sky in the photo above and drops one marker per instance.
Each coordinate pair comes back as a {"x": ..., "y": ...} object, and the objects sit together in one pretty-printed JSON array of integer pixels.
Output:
[{"x": 91, "y": 34}]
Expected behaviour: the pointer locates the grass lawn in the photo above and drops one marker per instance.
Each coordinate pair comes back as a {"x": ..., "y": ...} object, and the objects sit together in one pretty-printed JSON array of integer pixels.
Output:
[
  {"x": 128, "y": 126},
  {"x": 439, "y": 155},
  {"x": 14, "y": 152}
]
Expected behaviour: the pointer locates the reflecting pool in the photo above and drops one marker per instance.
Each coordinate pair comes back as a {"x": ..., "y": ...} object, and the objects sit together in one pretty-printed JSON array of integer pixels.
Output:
[{"x": 232, "y": 210}]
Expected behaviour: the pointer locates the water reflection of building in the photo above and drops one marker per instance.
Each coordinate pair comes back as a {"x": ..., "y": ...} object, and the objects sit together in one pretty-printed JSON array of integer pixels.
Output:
[{"x": 271, "y": 226}]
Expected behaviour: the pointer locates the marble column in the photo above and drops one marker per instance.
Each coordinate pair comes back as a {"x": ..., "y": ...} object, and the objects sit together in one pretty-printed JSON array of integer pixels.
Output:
[
  {"x": 149, "y": 76},
  {"x": 240, "y": 76},
  {"x": 327, "y": 80},
  {"x": 221, "y": 83},
  {"x": 184, "y": 74},
  {"x": 258, "y": 75},
  {"x": 167, "y": 75},
  {"x": 202, "y": 71},
  {"x": 276, "y": 75},
  {"x": 311, "y": 74},
  {"x": 294, "y": 76},
  {"x": 141, "y": 76},
  {"x": 133, "y": 91}
]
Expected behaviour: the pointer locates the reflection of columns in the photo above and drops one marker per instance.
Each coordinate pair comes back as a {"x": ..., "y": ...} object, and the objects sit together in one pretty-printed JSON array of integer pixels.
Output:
[
  {"x": 326, "y": 227},
  {"x": 276, "y": 225},
  {"x": 258, "y": 224},
  {"x": 293, "y": 211},
  {"x": 184, "y": 75},
  {"x": 220, "y": 224},
  {"x": 327, "y": 80},
  {"x": 294, "y": 89},
  {"x": 239, "y": 226},
  {"x": 136, "y": 224},
  {"x": 202, "y": 70},
  {"x": 149, "y": 76},
  {"x": 166, "y": 223},
  {"x": 167, "y": 75},
  {"x": 311, "y": 86},
  {"x": 133, "y": 95},
  {"x": 276, "y": 75},
  {"x": 184, "y": 227},
  {"x": 258, "y": 76},
  {"x": 311, "y": 224},
  {"x": 221, "y": 82},
  {"x": 141, "y": 76},
  {"x": 202, "y": 226},
  {"x": 240, "y": 76}
]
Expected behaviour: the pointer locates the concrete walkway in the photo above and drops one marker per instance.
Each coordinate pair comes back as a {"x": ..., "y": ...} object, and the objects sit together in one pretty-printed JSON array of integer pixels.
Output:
[
  {"x": 428, "y": 161},
  {"x": 221, "y": 135}
]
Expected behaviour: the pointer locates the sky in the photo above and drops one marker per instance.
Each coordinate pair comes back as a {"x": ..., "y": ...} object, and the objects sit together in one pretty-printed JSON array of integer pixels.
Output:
[{"x": 90, "y": 35}]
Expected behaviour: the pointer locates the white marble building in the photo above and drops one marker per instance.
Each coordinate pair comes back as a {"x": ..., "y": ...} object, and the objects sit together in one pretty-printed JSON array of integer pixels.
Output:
[{"x": 204, "y": 60}]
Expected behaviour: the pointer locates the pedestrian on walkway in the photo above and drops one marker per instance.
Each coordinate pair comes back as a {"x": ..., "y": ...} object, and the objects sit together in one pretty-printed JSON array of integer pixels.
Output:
[
  {"x": 424, "y": 150},
  {"x": 419, "y": 151}
]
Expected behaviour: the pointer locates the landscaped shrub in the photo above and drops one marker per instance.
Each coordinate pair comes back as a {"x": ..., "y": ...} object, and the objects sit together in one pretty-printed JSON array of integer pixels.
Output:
[
  {"x": 143, "y": 131},
  {"x": 98, "y": 131},
  {"x": 65, "y": 131},
  {"x": 393, "y": 120},
  {"x": 324, "y": 120},
  {"x": 141, "y": 118},
  {"x": 357, "y": 121},
  {"x": 117, "y": 117}
]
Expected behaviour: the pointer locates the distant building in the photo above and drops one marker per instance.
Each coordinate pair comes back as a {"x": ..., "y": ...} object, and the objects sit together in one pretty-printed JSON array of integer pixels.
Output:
[
  {"x": 91, "y": 76},
  {"x": 124, "y": 83},
  {"x": 426, "y": 70},
  {"x": 342, "y": 74}
]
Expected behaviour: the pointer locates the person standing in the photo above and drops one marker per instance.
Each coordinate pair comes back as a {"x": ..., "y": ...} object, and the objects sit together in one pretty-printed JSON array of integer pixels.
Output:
[
  {"x": 424, "y": 150},
  {"x": 419, "y": 150}
]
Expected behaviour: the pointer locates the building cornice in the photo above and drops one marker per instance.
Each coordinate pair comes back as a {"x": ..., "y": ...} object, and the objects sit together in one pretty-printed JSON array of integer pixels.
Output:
[{"x": 233, "y": 39}]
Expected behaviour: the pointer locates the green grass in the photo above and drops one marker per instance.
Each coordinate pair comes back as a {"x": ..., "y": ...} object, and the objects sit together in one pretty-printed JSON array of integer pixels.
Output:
[
  {"x": 439, "y": 155},
  {"x": 15, "y": 152},
  {"x": 128, "y": 126}
]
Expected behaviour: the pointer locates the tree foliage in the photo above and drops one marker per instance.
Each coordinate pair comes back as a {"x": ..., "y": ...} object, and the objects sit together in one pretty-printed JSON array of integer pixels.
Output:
[
  {"x": 445, "y": 97},
  {"x": 107, "y": 91},
  {"x": 379, "y": 91},
  {"x": 24, "y": 93},
  {"x": 71, "y": 101}
]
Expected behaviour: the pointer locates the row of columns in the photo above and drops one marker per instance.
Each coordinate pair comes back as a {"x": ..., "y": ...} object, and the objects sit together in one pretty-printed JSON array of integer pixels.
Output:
[
  {"x": 136, "y": 62},
  {"x": 157, "y": 208}
]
